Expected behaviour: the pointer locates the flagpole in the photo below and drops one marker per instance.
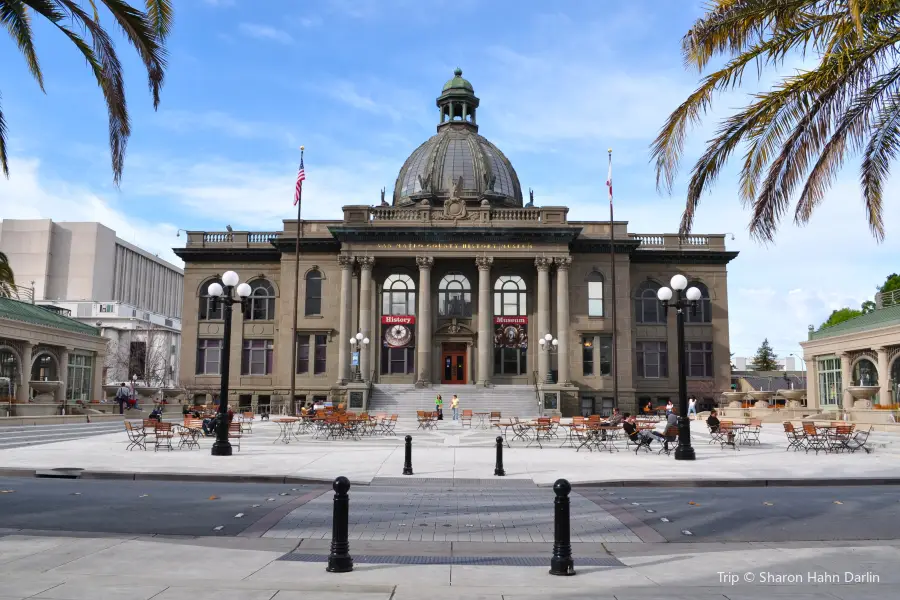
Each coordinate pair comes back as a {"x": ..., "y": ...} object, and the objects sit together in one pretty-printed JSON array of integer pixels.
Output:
[
  {"x": 612, "y": 270},
  {"x": 296, "y": 295}
]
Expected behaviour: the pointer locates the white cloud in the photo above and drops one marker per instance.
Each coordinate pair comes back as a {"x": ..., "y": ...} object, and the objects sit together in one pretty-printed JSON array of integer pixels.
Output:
[
  {"x": 265, "y": 32},
  {"x": 185, "y": 121},
  {"x": 32, "y": 194}
]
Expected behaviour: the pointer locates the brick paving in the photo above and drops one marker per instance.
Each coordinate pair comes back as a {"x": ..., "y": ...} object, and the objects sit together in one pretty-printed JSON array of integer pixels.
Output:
[{"x": 453, "y": 514}]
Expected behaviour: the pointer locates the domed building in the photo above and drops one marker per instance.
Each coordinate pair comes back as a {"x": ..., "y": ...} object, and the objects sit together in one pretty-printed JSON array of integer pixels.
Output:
[{"x": 455, "y": 285}]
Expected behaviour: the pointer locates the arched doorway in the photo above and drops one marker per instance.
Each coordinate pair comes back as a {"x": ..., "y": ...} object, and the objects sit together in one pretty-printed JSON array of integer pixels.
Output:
[
  {"x": 44, "y": 368},
  {"x": 865, "y": 372}
]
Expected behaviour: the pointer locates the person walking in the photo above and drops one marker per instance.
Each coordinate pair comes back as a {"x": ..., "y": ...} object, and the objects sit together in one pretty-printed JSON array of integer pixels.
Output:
[
  {"x": 122, "y": 395},
  {"x": 439, "y": 407},
  {"x": 692, "y": 407},
  {"x": 454, "y": 407}
]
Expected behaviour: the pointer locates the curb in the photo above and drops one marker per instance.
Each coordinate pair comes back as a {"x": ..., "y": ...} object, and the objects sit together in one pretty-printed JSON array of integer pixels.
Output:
[
  {"x": 188, "y": 477},
  {"x": 737, "y": 483}
]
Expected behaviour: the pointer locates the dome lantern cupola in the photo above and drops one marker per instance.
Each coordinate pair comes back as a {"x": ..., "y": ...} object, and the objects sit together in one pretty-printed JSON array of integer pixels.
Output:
[
  {"x": 457, "y": 164},
  {"x": 457, "y": 102}
]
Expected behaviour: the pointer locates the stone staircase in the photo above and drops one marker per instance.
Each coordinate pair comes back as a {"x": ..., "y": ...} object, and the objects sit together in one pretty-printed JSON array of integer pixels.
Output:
[{"x": 405, "y": 400}]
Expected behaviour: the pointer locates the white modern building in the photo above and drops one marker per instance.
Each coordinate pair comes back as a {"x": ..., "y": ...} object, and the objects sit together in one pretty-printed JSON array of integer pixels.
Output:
[
  {"x": 745, "y": 363},
  {"x": 88, "y": 273}
]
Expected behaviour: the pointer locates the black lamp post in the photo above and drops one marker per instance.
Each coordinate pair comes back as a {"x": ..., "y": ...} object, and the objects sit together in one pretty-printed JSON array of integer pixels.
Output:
[
  {"x": 684, "y": 300},
  {"x": 360, "y": 344},
  {"x": 549, "y": 344},
  {"x": 225, "y": 295}
]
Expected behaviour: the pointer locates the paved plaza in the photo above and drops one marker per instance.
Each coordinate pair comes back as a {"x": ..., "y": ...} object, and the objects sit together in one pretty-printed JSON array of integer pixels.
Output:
[{"x": 452, "y": 453}]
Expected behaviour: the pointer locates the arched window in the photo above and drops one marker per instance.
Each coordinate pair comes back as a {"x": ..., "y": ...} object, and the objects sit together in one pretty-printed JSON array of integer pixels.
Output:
[
  {"x": 704, "y": 306},
  {"x": 595, "y": 294},
  {"x": 398, "y": 296},
  {"x": 207, "y": 313},
  {"x": 454, "y": 296},
  {"x": 647, "y": 308},
  {"x": 44, "y": 368},
  {"x": 262, "y": 301},
  {"x": 865, "y": 373},
  {"x": 313, "y": 293},
  {"x": 509, "y": 297}
]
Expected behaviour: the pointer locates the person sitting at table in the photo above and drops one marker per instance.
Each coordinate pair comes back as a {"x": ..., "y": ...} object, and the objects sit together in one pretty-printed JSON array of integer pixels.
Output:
[
  {"x": 712, "y": 421},
  {"x": 641, "y": 438},
  {"x": 660, "y": 430},
  {"x": 614, "y": 420}
]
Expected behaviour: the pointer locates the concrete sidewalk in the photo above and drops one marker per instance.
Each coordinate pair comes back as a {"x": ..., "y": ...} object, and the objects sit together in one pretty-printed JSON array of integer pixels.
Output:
[
  {"x": 454, "y": 454},
  {"x": 141, "y": 568}
]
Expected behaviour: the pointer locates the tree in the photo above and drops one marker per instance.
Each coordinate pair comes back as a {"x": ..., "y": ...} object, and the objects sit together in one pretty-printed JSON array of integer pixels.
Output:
[
  {"x": 797, "y": 134},
  {"x": 765, "y": 359},
  {"x": 891, "y": 283},
  {"x": 7, "y": 278},
  {"x": 146, "y": 31},
  {"x": 842, "y": 314},
  {"x": 145, "y": 352}
]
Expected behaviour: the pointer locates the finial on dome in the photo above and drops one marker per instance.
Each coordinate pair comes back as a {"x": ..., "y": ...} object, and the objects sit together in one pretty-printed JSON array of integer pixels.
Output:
[{"x": 457, "y": 72}]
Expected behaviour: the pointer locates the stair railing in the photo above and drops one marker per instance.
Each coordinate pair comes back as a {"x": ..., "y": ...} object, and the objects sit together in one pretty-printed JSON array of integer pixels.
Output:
[{"x": 537, "y": 394}]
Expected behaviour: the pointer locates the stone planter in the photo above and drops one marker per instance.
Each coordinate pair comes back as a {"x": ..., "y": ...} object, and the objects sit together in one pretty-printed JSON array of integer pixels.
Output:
[
  {"x": 734, "y": 399},
  {"x": 862, "y": 395},
  {"x": 792, "y": 398},
  {"x": 46, "y": 390}
]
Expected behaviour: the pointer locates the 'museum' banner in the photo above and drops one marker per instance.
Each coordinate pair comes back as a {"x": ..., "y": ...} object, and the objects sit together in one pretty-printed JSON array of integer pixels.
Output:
[
  {"x": 511, "y": 332},
  {"x": 398, "y": 331}
]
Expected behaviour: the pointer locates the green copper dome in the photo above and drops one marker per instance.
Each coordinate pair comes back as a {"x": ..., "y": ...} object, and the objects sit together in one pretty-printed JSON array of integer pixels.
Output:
[{"x": 458, "y": 82}]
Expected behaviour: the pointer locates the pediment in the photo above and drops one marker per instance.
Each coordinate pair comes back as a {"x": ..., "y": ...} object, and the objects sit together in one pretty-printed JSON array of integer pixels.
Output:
[{"x": 455, "y": 328}]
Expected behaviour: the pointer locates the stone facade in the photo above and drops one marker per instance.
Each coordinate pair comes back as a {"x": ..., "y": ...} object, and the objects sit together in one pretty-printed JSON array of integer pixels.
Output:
[{"x": 434, "y": 262}]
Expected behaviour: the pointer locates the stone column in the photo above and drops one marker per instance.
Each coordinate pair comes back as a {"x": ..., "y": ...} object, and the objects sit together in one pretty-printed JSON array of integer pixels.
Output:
[
  {"x": 884, "y": 377},
  {"x": 423, "y": 319},
  {"x": 485, "y": 346},
  {"x": 25, "y": 376},
  {"x": 543, "y": 317},
  {"x": 812, "y": 383},
  {"x": 562, "y": 316},
  {"x": 366, "y": 263},
  {"x": 346, "y": 263},
  {"x": 63, "y": 374},
  {"x": 846, "y": 398},
  {"x": 97, "y": 393}
]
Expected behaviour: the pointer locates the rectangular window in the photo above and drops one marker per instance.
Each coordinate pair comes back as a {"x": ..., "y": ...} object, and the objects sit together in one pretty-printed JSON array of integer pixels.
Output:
[
  {"x": 595, "y": 299},
  {"x": 206, "y": 309},
  {"x": 256, "y": 359},
  {"x": 587, "y": 356},
  {"x": 313, "y": 304},
  {"x": 605, "y": 352},
  {"x": 78, "y": 387},
  {"x": 587, "y": 406},
  {"x": 652, "y": 360},
  {"x": 699, "y": 359},
  {"x": 397, "y": 361},
  {"x": 209, "y": 356},
  {"x": 302, "y": 354},
  {"x": 137, "y": 360},
  {"x": 321, "y": 351},
  {"x": 510, "y": 361},
  {"x": 830, "y": 384}
]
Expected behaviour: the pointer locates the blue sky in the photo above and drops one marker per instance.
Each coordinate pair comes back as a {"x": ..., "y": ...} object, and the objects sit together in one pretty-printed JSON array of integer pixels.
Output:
[{"x": 355, "y": 82}]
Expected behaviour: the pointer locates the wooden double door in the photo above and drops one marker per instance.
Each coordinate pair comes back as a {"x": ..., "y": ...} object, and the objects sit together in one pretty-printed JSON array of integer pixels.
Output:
[{"x": 454, "y": 363}]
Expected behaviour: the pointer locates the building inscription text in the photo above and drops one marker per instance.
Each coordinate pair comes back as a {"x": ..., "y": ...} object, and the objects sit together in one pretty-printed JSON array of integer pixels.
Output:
[{"x": 455, "y": 246}]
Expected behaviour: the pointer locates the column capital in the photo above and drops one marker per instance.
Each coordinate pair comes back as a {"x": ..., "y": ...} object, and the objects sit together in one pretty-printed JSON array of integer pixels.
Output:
[
  {"x": 563, "y": 262},
  {"x": 425, "y": 262},
  {"x": 484, "y": 262},
  {"x": 366, "y": 263},
  {"x": 346, "y": 262},
  {"x": 543, "y": 263}
]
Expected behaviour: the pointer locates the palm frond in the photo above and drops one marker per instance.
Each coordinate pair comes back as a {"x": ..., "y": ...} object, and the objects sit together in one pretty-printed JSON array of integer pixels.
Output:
[
  {"x": 14, "y": 17},
  {"x": 161, "y": 16},
  {"x": 141, "y": 32},
  {"x": 880, "y": 151},
  {"x": 4, "y": 164}
]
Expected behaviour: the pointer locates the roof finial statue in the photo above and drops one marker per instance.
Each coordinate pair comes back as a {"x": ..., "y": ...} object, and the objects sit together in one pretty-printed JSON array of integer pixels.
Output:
[
  {"x": 383, "y": 202},
  {"x": 530, "y": 198}
]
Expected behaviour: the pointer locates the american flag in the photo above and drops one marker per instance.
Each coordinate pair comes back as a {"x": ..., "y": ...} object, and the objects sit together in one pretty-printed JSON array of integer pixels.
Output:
[
  {"x": 301, "y": 177},
  {"x": 609, "y": 179}
]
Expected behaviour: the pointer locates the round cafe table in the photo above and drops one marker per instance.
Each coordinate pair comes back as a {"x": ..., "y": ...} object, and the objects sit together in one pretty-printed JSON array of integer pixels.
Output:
[
  {"x": 481, "y": 416},
  {"x": 286, "y": 429}
]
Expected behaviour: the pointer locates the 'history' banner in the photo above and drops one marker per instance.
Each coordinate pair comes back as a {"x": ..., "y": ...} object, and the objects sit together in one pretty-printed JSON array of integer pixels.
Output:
[
  {"x": 511, "y": 332},
  {"x": 398, "y": 331}
]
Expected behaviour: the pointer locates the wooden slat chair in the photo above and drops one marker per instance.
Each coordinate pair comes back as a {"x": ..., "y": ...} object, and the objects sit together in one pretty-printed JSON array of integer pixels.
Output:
[
  {"x": 390, "y": 425},
  {"x": 422, "y": 419},
  {"x": 751, "y": 433},
  {"x": 494, "y": 418},
  {"x": 149, "y": 426},
  {"x": 554, "y": 427},
  {"x": 859, "y": 440},
  {"x": 247, "y": 422},
  {"x": 466, "y": 418},
  {"x": 670, "y": 437},
  {"x": 815, "y": 440},
  {"x": 235, "y": 434},
  {"x": 727, "y": 435},
  {"x": 135, "y": 437},
  {"x": 796, "y": 439},
  {"x": 840, "y": 438},
  {"x": 163, "y": 435}
]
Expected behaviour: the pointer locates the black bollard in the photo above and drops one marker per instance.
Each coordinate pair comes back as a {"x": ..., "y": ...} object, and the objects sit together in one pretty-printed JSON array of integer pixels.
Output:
[
  {"x": 340, "y": 561},
  {"x": 561, "y": 563},
  {"x": 498, "y": 468},
  {"x": 407, "y": 460}
]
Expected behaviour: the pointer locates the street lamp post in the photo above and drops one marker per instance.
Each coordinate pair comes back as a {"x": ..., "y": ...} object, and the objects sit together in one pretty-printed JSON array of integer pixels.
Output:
[
  {"x": 684, "y": 300},
  {"x": 222, "y": 447},
  {"x": 358, "y": 343},
  {"x": 549, "y": 344}
]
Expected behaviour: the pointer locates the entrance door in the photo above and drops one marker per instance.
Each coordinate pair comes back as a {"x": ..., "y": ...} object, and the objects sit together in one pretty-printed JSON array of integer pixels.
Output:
[{"x": 453, "y": 361}]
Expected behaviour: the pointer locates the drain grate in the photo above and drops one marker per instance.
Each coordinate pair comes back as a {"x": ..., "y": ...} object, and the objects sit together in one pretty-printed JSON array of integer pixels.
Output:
[
  {"x": 447, "y": 482},
  {"x": 496, "y": 561}
]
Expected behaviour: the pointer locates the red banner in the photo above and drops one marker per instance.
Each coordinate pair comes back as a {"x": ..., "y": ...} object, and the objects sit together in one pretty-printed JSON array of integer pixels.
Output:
[
  {"x": 510, "y": 320},
  {"x": 398, "y": 320}
]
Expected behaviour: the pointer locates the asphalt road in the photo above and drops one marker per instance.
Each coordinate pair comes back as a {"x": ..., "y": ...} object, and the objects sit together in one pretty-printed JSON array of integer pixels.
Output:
[
  {"x": 716, "y": 515},
  {"x": 773, "y": 514},
  {"x": 136, "y": 507}
]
